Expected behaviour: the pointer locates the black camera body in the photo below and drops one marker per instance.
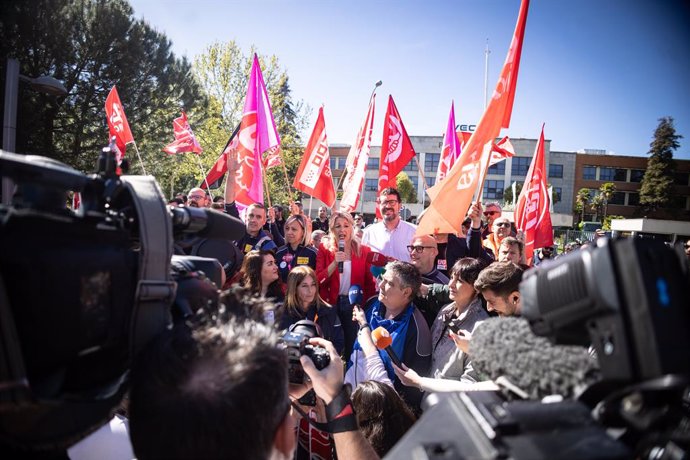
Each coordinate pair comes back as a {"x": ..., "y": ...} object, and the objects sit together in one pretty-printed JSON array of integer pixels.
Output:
[{"x": 296, "y": 343}]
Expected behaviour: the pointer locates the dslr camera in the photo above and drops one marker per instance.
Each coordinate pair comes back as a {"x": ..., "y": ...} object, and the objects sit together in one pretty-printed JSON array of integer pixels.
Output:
[{"x": 296, "y": 343}]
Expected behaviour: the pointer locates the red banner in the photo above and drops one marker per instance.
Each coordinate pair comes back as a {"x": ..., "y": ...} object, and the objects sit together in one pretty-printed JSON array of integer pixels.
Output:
[
  {"x": 532, "y": 214},
  {"x": 396, "y": 147},
  {"x": 185, "y": 140},
  {"x": 314, "y": 174},
  {"x": 356, "y": 165},
  {"x": 117, "y": 122}
]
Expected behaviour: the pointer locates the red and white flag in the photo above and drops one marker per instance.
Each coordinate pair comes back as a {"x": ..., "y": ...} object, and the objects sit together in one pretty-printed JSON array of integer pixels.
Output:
[
  {"x": 257, "y": 135},
  {"x": 117, "y": 122},
  {"x": 451, "y": 147},
  {"x": 532, "y": 214},
  {"x": 501, "y": 150},
  {"x": 185, "y": 140},
  {"x": 452, "y": 197},
  {"x": 272, "y": 158},
  {"x": 215, "y": 175},
  {"x": 314, "y": 174},
  {"x": 356, "y": 165},
  {"x": 396, "y": 148}
]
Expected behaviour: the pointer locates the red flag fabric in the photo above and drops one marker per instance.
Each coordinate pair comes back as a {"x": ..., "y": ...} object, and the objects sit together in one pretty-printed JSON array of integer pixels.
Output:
[
  {"x": 314, "y": 174},
  {"x": 452, "y": 197},
  {"x": 396, "y": 147},
  {"x": 356, "y": 165},
  {"x": 532, "y": 214},
  {"x": 272, "y": 158},
  {"x": 215, "y": 175},
  {"x": 117, "y": 122},
  {"x": 501, "y": 150},
  {"x": 185, "y": 141}
]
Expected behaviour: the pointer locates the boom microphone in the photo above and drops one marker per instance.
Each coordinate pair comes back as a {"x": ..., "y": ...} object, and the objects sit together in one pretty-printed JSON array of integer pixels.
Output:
[
  {"x": 507, "y": 347},
  {"x": 383, "y": 341},
  {"x": 341, "y": 248},
  {"x": 206, "y": 223}
]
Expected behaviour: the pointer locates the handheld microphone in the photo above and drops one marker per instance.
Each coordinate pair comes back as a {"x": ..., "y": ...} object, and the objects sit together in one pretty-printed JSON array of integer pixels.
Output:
[
  {"x": 355, "y": 295},
  {"x": 376, "y": 259},
  {"x": 507, "y": 347},
  {"x": 341, "y": 248},
  {"x": 383, "y": 341}
]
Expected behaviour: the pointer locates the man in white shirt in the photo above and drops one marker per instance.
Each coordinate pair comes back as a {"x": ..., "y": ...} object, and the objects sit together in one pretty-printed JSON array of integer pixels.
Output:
[{"x": 392, "y": 235}]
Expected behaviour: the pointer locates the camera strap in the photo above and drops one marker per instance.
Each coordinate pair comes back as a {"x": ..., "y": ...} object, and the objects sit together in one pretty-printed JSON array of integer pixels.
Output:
[
  {"x": 155, "y": 290},
  {"x": 339, "y": 413}
]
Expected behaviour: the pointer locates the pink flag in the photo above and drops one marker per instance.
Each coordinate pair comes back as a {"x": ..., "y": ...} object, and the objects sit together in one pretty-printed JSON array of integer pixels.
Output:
[
  {"x": 185, "y": 140},
  {"x": 357, "y": 159},
  {"x": 532, "y": 214},
  {"x": 451, "y": 147},
  {"x": 257, "y": 135}
]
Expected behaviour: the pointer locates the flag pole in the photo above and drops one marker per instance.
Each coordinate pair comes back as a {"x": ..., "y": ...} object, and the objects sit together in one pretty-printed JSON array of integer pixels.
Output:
[
  {"x": 141, "y": 163},
  {"x": 421, "y": 173},
  {"x": 486, "y": 74},
  {"x": 268, "y": 194},
  {"x": 287, "y": 180},
  {"x": 201, "y": 167}
]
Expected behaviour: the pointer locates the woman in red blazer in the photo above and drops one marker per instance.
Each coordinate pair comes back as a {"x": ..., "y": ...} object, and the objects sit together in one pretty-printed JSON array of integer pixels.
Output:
[{"x": 333, "y": 285}]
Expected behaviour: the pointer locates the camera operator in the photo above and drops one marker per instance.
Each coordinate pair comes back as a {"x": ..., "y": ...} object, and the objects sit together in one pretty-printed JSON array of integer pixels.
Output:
[{"x": 219, "y": 388}]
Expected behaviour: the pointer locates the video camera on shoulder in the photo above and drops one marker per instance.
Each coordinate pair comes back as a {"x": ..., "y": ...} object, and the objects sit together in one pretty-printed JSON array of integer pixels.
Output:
[{"x": 296, "y": 343}]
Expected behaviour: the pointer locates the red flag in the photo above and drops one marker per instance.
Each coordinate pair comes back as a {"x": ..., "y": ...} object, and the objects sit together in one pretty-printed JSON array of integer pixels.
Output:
[
  {"x": 314, "y": 174},
  {"x": 272, "y": 158},
  {"x": 117, "y": 122},
  {"x": 396, "y": 147},
  {"x": 215, "y": 175},
  {"x": 185, "y": 141},
  {"x": 501, "y": 150},
  {"x": 532, "y": 214},
  {"x": 452, "y": 197},
  {"x": 356, "y": 165}
]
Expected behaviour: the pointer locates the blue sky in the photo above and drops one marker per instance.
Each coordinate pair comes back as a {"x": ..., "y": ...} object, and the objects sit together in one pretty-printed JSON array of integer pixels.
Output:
[{"x": 599, "y": 73}]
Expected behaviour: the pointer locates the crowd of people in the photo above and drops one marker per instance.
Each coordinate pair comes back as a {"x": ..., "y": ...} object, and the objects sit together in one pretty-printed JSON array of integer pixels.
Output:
[{"x": 218, "y": 384}]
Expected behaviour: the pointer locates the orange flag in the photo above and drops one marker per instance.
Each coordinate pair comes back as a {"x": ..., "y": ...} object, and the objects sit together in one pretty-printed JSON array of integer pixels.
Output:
[{"x": 451, "y": 198}]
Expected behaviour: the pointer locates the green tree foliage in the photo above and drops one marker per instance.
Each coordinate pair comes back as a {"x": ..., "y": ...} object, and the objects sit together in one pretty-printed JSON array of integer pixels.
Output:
[
  {"x": 597, "y": 205},
  {"x": 91, "y": 45},
  {"x": 405, "y": 187},
  {"x": 223, "y": 71},
  {"x": 582, "y": 200},
  {"x": 606, "y": 225},
  {"x": 606, "y": 192},
  {"x": 508, "y": 193},
  {"x": 656, "y": 190}
]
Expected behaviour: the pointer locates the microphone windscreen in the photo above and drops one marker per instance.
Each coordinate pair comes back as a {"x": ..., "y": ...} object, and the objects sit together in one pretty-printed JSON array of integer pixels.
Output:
[
  {"x": 355, "y": 294},
  {"x": 377, "y": 259},
  {"x": 381, "y": 338},
  {"x": 508, "y": 347}
]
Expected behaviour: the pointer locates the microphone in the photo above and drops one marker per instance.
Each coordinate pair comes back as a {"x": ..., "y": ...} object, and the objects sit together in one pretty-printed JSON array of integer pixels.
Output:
[
  {"x": 355, "y": 295},
  {"x": 383, "y": 341},
  {"x": 507, "y": 347},
  {"x": 206, "y": 223},
  {"x": 377, "y": 259},
  {"x": 341, "y": 248}
]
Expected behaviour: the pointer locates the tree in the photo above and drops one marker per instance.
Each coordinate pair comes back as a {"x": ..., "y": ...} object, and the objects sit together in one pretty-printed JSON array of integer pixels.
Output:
[
  {"x": 656, "y": 189},
  {"x": 606, "y": 192},
  {"x": 508, "y": 193},
  {"x": 91, "y": 45},
  {"x": 597, "y": 205},
  {"x": 405, "y": 187},
  {"x": 582, "y": 201}
]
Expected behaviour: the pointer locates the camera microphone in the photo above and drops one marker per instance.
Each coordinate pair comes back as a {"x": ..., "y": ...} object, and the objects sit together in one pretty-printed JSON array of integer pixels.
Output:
[
  {"x": 341, "y": 248},
  {"x": 206, "y": 223},
  {"x": 355, "y": 295},
  {"x": 383, "y": 341}
]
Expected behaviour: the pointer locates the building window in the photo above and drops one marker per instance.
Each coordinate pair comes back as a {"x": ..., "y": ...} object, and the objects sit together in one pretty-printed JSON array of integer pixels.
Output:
[
  {"x": 557, "y": 193},
  {"x": 371, "y": 185},
  {"x": 520, "y": 166},
  {"x": 681, "y": 178},
  {"x": 415, "y": 181},
  {"x": 606, "y": 174},
  {"x": 617, "y": 198},
  {"x": 430, "y": 181},
  {"x": 612, "y": 174},
  {"x": 633, "y": 199},
  {"x": 556, "y": 171},
  {"x": 498, "y": 169},
  {"x": 373, "y": 164},
  {"x": 431, "y": 161},
  {"x": 636, "y": 175},
  {"x": 493, "y": 189},
  {"x": 589, "y": 173}
]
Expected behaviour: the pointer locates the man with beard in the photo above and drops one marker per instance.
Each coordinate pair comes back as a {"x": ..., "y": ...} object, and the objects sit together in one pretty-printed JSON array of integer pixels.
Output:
[
  {"x": 197, "y": 198},
  {"x": 392, "y": 235}
]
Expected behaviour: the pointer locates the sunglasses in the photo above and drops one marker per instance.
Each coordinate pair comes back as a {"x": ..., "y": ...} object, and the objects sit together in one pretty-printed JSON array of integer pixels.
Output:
[
  {"x": 417, "y": 249},
  {"x": 502, "y": 224},
  {"x": 490, "y": 213}
]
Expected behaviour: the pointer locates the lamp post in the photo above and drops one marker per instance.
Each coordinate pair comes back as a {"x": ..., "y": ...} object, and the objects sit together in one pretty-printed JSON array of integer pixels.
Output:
[{"x": 44, "y": 84}]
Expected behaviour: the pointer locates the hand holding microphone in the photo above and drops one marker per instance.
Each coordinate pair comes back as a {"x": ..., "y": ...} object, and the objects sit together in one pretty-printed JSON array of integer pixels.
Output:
[
  {"x": 383, "y": 341},
  {"x": 340, "y": 255}
]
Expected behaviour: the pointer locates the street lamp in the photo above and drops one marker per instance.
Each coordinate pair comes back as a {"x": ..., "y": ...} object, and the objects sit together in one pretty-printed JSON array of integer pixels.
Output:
[{"x": 44, "y": 84}]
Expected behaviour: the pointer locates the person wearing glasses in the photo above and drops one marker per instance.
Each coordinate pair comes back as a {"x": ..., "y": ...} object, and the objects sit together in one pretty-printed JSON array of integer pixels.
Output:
[
  {"x": 391, "y": 236},
  {"x": 197, "y": 198},
  {"x": 492, "y": 211},
  {"x": 501, "y": 229},
  {"x": 423, "y": 251}
]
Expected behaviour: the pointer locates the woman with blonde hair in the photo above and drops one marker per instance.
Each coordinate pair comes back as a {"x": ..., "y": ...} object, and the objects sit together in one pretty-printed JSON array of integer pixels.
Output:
[
  {"x": 302, "y": 301},
  {"x": 341, "y": 262}
]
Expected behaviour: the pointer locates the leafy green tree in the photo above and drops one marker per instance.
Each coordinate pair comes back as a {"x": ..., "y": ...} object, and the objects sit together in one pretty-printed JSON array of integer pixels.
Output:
[
  {"x": 582, "y": 200},
  {"x": 91, "y": 45},
  {"x": 406, "y": 188},
  {"x": 656, "y": 190},
  {"x": 606, "y": 192},
  {"x": 508, "y": 193},
  {"x": 597, "y": 205}
]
